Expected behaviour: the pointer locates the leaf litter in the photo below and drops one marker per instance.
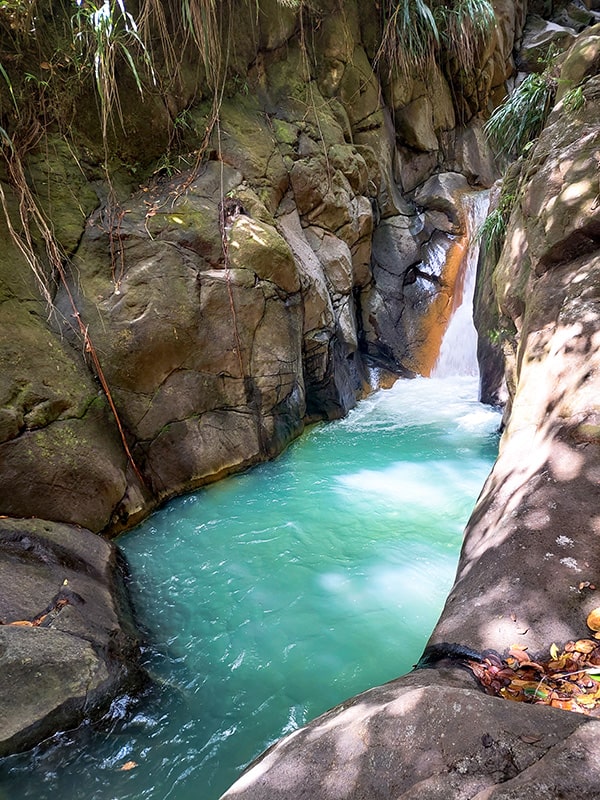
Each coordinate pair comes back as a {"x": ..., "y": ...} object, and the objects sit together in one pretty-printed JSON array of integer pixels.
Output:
[{"x": 569, "y": 679}]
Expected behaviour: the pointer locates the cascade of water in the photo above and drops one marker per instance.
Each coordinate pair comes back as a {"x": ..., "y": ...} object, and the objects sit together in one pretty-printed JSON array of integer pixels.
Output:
[{"x": 458, "y": 353}]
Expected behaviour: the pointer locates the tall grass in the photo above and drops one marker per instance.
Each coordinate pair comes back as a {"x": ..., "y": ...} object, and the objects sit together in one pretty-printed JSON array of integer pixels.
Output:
[
  {"x": 467, "y": 27},
  {"x": 417, "y": 32},
  {"x": 105, "y": 33},
  {"x": 522, "y": 116},
  {"x": 410, "y": 38}
]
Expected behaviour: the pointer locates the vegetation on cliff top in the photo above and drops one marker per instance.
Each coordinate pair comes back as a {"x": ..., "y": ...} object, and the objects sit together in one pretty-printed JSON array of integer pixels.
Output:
[{"x": 417, "y": 34}]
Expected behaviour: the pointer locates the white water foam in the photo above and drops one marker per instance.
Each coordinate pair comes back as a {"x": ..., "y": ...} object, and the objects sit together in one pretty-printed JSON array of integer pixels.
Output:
[{"x": 458, "y": 353}]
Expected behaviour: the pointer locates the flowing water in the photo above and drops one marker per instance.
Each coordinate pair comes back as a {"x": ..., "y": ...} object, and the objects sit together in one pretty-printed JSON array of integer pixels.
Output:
[
  {"x": 458, "y": 352},
  {"x": 273, "y": 595}
]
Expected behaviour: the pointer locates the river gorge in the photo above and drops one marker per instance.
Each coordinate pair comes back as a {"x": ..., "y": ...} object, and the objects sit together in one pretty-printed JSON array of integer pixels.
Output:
[
  {"x": 223, "y": 225},
  {"x": 274, "y": 595}
]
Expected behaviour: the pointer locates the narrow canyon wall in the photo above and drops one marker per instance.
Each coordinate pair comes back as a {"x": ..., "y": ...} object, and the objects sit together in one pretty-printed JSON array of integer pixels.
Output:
[
  {"x": 220, "y": 293},
  {"x": 244, "y": 284},
  {"x": 528, "y": 571}
]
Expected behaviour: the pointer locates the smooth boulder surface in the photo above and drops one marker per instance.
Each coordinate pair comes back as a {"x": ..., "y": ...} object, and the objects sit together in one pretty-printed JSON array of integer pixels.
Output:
[{"x": 429, "y": 736}]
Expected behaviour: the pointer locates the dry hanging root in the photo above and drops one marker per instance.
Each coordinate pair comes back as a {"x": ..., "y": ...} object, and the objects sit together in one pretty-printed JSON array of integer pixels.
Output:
[
  {"x": 45, "y": 618},
  {"x": 28, "y": 210}
]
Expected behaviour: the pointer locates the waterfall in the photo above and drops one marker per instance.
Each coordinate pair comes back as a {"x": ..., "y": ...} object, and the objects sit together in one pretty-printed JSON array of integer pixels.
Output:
[{"x": 458, "y": 352}]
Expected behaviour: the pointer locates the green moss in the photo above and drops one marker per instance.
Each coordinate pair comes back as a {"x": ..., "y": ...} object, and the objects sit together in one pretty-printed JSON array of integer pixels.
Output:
[
  {"x": 62, "y": 190},
  {"x": 285, "y": 132}
]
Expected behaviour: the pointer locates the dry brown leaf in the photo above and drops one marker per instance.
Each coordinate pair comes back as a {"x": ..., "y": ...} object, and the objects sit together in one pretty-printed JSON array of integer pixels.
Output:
[
  {"x": 585, "y": 645},
  {"x": 518, "y": 654},
  {"x": 593, "y": 619}
]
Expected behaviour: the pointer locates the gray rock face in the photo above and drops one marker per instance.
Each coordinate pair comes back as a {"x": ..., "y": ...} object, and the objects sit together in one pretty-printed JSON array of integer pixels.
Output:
[
  {"x": 66, "y": 639},
  {"x": 427, "y": 735},
  {"x": 531, "y": 547}
]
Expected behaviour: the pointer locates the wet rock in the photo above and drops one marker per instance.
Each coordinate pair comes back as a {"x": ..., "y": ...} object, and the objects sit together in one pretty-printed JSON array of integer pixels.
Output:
[
  {"x": 67, "y": 645},
  {"x": 443, "y": 192}
]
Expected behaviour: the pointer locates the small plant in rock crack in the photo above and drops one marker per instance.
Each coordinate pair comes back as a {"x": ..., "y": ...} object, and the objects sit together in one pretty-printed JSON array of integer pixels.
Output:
[
  {"x": 573, "y": 100},
  {"x": 492, "y": 232}
]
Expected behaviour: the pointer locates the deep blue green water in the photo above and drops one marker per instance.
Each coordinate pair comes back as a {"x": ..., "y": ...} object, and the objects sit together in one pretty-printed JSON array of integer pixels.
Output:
[{"x": 274, "y": 595}]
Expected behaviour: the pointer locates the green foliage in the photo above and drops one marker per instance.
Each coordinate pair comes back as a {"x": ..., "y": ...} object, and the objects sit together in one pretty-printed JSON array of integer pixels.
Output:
[
  {"x": 410, "y": 37},
  {"x": 466, "y": 27},
  {"x": 103, "y": 33},
  {"x": 522, "y": 116},
  {"x": 573, "y": 100},
  {"x": 4, "y": 74},
  {"x": 418, "y": 32},
  {"x": 492, "y": 232}
]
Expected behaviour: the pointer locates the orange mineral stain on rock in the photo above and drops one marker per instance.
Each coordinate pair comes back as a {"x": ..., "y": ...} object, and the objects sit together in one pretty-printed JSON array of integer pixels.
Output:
[{"x": 446, "y": 301}]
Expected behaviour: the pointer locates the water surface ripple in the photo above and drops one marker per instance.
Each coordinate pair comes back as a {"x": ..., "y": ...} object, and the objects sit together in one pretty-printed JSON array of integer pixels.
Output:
[{"x": 274, "y": 595}]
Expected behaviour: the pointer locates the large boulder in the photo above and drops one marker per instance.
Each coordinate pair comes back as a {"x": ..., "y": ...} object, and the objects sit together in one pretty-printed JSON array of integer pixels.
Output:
[
  {"x": 201, "y": 347},
  {"x": 430, "y": 735},
  {"x": 66, "y": 637}
]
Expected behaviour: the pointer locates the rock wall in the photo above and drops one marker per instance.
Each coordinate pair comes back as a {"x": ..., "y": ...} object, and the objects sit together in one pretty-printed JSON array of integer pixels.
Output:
[
  {"x": 528, "y": 570},
  {"x": 242, "y": 288},
  {"x": 216, "y": 295}
]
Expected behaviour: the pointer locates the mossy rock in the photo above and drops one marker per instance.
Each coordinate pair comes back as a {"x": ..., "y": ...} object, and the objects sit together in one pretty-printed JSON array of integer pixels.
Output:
[{"x": 258, "y": 247}]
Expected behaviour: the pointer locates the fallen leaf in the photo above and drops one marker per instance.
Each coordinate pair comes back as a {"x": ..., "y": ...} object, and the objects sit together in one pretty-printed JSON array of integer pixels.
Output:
[
  {"x": 586, "y": 699},
  {"x": 128, "y": 765},
  {"x": 553, "y": 651},
  {"x": 566, "y": 705},
  {"x": 593, "y": 619},
  {"x": 519, "y": 654},
  {"x": 585, "y": 646}
]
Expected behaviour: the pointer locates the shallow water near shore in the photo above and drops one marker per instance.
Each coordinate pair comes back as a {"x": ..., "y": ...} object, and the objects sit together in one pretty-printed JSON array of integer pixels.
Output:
[{"x": 273, "y": 595}]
